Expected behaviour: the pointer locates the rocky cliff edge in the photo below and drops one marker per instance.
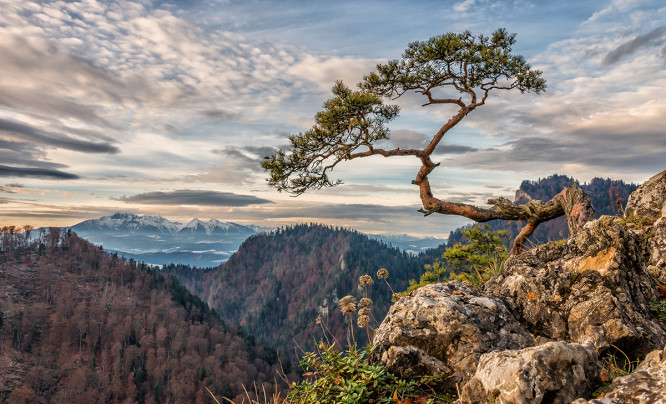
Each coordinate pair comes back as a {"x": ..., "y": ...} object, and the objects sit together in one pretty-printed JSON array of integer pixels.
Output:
[{"x": 538, "y": 331}]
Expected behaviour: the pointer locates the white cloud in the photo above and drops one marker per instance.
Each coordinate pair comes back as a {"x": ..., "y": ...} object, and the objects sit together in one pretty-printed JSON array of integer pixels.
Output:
[
  {"x": 463, "y": 6},
  {"x": 324, "y": 71}
]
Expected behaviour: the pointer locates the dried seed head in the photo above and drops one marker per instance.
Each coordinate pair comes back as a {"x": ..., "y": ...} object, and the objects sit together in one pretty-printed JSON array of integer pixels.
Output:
[
  {"x": 363, "y": 321},
  {"x": 365, "y": 280},
  {"x": 365, "y": 302},
  {"x": 364, "y": 311},
  {"x": 382, "y": 273},
  {"x": 395, "y": 297},
  {"x": 347, "y": 304}
]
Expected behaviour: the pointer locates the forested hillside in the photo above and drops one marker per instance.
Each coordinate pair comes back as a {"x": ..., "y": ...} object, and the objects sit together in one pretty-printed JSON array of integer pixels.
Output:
[
  {"x": 79, "y": 325},
  {"x": 604, "y": 194},
  {"x": 277, "y": 284}
]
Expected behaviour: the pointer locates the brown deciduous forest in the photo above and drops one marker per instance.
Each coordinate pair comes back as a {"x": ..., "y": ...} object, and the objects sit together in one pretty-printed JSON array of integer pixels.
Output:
[
  {"x": 79, "y": 325},
  {"x": 277, "y": 284}
]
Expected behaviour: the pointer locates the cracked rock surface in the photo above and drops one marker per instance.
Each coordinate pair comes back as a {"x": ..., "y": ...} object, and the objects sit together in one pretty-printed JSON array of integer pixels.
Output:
[
  {"x": 594, "y": 288},
  {"x": 555, "y": 372},
  {"x": 446, "y": 327}
]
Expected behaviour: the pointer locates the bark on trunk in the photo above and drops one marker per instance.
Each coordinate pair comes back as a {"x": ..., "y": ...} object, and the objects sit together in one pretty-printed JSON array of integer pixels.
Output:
[{"x": 572, "y": 202}]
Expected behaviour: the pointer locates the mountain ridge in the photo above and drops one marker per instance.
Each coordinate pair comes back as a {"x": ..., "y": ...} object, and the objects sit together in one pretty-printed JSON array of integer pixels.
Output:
[
  {"x": 127, "y": 221},
  {"x": 157, "y": 240},
  {"x": 278, "y": 283}
]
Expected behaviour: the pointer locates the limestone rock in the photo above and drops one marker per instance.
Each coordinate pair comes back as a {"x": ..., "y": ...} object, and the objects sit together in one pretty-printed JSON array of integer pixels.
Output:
[
  {"x": 556, "y": 372},
  {"x": 655, "y": 236},
  {"x": 649, "y": 199},
  {"x": 646, "y": 216},
  {"x": 413, "y": 358},
  {"x": 594, "y": 288},
  {"x": 647, "y": 385},
  {"x": 445, "y": 327}
]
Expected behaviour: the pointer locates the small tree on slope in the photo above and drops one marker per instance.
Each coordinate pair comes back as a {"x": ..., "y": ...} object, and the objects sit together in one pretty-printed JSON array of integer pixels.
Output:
[{"x": 458, "y": 70}]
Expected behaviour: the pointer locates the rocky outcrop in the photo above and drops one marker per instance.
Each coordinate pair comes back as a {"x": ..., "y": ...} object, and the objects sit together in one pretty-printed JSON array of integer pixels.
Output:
[
  {"x": 594, "y": 288},
  {"x": 648, "y": 200},
  {"x": 445, "y": 328},
  {"x": 646, "y": 216},
  {"x": 555, "y": 372},
  {"x": 646, "y": 385},
  {"x": 656, "y": 244},
  {"x": 535, "y": 333}
]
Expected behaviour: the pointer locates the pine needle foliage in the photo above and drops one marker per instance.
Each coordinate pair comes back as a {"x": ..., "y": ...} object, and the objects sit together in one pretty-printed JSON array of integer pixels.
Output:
[
  {"x": 473, "y": 263},
  {"x": 458, "y": 69}
]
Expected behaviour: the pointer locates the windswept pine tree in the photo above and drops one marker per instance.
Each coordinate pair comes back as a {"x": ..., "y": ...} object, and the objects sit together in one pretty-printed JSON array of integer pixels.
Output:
[{"x": 455, "y": 70}]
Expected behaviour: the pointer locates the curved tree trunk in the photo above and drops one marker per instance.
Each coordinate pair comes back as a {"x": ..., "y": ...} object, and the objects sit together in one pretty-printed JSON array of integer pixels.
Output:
[{"x": 572, "y": 202}]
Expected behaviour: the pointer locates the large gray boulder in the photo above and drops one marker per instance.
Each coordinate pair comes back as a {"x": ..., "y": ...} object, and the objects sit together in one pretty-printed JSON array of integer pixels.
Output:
[
  {"x": 445, "y": 328},
  {"x": 534, "y": 333},
  {"x": 555, "y": 372},
  {"x": 594, "y": 288}
]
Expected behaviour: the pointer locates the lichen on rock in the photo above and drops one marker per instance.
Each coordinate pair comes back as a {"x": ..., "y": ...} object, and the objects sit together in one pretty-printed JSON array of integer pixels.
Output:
[
  {"x": 594, "y": 288},
  {"x": 555, "y": 372},
  {"x": 646, "y": 216},
  {"x": 445, "y": 328},
  {"x": 649, "y": 199}
]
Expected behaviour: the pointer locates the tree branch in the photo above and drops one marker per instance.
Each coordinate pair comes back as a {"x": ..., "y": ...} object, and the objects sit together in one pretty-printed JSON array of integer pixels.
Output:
[{"x": 572, "y": 202}]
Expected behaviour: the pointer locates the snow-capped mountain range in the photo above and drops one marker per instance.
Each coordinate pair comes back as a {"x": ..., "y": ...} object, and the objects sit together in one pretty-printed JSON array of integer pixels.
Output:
[
  {"x": 157, "y": 240},
  {"x": 214, "y": 226},
  {"x": 133, "y": 223}
]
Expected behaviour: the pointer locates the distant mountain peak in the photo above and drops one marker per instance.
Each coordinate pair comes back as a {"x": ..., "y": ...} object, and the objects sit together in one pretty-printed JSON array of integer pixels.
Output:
[
  {"x": 129, "y": 222},
  {"x": 132, "y": 223},
  {"x": 214, "y": 226}
]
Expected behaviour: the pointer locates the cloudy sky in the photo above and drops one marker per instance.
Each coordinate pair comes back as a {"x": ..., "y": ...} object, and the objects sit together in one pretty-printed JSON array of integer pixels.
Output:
[{"x": 167, "y": 107}]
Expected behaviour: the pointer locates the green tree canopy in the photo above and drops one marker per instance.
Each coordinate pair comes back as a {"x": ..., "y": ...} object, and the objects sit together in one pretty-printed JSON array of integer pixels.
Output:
[{"x": 456, "y": 69}]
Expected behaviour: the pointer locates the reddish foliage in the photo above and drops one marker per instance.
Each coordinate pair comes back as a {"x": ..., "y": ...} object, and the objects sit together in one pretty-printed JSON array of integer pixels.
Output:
[{"x": 89, "y": 326}]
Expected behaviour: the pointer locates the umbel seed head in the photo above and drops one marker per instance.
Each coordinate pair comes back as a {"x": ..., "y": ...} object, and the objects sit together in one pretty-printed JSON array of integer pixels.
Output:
[
  {"x": 363, "y": 321},
  {"x": 366, "y": 301},
  {"x": 382, "y": 273},
  {"x": 365, "y": 280},
  {"x": 347, "y": 304}
]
